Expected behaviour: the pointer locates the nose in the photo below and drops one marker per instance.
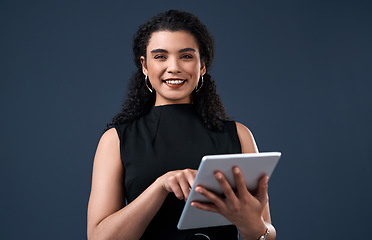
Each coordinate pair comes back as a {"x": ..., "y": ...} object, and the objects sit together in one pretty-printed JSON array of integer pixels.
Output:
[{"x": 173, "y": 66}]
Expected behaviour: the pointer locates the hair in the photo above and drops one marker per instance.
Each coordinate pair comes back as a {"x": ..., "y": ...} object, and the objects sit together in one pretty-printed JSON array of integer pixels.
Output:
[{"x": 140, "y": 100}]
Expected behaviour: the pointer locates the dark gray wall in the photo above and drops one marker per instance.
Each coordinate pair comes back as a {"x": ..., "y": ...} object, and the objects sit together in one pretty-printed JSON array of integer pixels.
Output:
[{"x": 297, "y": 73}]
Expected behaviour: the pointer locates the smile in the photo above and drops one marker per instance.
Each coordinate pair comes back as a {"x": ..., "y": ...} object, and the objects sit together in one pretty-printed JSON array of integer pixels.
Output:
[{"x": 175, "y": 82}]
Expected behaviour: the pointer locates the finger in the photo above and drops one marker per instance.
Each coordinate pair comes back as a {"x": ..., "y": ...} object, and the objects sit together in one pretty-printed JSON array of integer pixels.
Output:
[
  {"x": 175, "y": 187},
  {"x": 239, "y": 181},
  {"x": 184, "y": 184},
  {"x": 212, "y": 197},
  {"x": 225, "y": 186},
  {"x": 261, "y": 194},
  {"x": 190, "y": 176},
  {"x": 205, "y": 206}
]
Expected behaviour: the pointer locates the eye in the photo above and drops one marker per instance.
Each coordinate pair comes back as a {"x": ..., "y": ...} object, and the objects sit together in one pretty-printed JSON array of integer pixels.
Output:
[
  {"x": 160, "y": 56},
  {"x": 187, "y": 56}
]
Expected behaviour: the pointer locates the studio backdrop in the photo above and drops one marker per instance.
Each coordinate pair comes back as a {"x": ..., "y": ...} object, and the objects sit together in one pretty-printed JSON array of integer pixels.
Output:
[{"x": 296, "y": 73}]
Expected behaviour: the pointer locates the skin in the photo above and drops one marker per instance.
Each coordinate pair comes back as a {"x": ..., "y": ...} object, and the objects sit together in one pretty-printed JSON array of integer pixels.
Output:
[
  {"x": 250, "y": 213},
  {"x": 173, "y": 56},
  {"x": 109, "y": 218}
]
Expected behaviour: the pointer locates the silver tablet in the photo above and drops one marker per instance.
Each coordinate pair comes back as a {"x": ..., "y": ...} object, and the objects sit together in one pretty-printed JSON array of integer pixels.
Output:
[{"x": 252, "y": 165}]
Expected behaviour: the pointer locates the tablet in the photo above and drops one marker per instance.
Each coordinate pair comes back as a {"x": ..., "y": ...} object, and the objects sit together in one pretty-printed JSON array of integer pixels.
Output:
[{"x": 252, "y": 166}]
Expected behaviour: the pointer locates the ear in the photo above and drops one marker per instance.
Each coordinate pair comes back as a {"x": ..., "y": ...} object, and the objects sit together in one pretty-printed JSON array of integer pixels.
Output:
[
  {"x": 144, "y": 65},
  {"x": 203, "y": 69}
]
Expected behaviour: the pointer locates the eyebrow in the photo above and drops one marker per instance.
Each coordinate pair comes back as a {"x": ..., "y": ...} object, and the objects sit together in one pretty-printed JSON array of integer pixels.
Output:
[{"x": 159, "y": 50}]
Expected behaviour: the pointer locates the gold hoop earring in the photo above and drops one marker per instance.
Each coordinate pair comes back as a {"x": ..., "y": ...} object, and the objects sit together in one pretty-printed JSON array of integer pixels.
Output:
[
  {"x": 150, "y": 89},
  {"x": 201, "y": 85}
]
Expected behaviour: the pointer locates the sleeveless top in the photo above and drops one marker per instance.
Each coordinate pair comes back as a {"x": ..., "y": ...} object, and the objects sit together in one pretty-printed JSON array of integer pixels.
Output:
[{"x": 171, "y": 137}]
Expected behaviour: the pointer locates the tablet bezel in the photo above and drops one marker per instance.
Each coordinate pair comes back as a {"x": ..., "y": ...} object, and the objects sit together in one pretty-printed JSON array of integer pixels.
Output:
[{"x": 252, "y": 165}]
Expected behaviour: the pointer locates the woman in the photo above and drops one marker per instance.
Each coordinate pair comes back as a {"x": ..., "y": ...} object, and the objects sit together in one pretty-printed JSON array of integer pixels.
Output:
[{"x": 145, "y": 162}]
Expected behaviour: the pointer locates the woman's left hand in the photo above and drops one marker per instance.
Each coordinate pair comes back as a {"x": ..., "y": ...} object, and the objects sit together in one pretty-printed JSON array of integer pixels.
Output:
[{"x": 242, "y": 209}]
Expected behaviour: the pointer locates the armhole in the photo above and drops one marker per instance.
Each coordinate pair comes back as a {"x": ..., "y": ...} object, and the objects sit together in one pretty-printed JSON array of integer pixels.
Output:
[
  {"x": 119, "y": 133},
  {"x": 233, "y": 132},
  {"x": 250, "y": 145},
  {"x": 117, "y": 128}
]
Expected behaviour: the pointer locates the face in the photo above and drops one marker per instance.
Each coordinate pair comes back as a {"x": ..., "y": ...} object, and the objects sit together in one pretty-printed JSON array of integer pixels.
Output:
[{"x": 173, "y": 66}]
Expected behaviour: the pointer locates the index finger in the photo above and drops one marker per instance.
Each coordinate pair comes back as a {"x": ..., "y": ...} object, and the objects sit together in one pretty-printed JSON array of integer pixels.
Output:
[{"x": 190, "y": 176}]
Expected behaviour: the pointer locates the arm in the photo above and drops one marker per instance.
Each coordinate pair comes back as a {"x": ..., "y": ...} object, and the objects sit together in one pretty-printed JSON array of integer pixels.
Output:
[
  {"x": 250, "y": 213},
  {"x": 107, "y": 216},
  {"x": 248, "y": 145}
]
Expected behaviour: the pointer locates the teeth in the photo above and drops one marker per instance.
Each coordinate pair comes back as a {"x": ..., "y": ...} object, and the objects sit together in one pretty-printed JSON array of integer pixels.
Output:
[{"x": 174, "y": 81}]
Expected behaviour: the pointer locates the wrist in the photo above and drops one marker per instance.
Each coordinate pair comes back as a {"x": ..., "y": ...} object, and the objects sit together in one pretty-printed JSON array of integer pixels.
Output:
[
  {"x": 159, "y": 183},
  {"x": 260, "y": 233}
]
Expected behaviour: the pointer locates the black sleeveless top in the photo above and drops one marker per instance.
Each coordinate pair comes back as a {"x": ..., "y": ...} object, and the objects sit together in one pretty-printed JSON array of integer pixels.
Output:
[{"x": 171, "y": 137}]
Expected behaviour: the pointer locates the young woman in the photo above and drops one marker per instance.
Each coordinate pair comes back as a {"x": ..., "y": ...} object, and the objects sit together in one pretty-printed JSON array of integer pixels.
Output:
[{"x": 145, "y": 162}]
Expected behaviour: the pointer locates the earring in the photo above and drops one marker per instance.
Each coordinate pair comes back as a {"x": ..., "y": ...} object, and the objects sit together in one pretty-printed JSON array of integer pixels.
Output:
[
  {"x": 201, "y": 85},
  {"x": 150, "y": 89}
]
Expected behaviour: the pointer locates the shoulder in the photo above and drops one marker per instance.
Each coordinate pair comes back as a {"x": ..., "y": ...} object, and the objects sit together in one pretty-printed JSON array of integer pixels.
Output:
[
  {"x": 110, "y": 136},
  {"x": 107, "y": 158},
  {"x": 243, "y": 130},
  {"x": 109, "y": 144},
  {"x": 246, "y": 139}
]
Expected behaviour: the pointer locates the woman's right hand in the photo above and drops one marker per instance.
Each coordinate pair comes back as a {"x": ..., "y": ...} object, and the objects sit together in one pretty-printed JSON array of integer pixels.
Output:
[{"x": 179, "y": 182}]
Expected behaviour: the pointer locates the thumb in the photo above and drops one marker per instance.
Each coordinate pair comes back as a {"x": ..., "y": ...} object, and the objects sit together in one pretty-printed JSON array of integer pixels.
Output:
[{"x": 261, "y": 194}]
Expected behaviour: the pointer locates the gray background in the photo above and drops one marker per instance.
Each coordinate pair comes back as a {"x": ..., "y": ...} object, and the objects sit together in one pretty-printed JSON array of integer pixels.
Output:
[{"x": 297, "y": 73}]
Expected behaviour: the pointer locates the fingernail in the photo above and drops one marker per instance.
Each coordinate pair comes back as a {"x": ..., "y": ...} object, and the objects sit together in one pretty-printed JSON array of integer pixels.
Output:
[
  {"x": 199, "y": 190},
  {"x": 236, "y": 170},
  {"x": 219, "y": 176}
]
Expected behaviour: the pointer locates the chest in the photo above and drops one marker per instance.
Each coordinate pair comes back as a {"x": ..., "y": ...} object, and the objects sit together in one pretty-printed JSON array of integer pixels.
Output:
[{"x": 149, "y": 150}]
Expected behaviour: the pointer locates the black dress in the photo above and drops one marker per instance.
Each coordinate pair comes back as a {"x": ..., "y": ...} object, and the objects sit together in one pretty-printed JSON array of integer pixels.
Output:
[{"x": 171, "y": 137}]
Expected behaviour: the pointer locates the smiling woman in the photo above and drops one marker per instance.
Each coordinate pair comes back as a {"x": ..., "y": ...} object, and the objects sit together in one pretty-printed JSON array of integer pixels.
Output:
[
  {"x": 145, "y": 162},
  {"x": 173, "y": 66}
]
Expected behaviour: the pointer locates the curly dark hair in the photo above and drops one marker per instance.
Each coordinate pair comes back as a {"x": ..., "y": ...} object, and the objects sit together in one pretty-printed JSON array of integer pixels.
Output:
[{"x": 140, "y": 100}]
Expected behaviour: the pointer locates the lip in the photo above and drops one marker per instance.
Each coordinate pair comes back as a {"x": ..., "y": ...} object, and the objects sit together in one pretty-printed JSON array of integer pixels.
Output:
[
  {"x": 168, "y": 79},
  {"x": 174, "y": 85}
]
